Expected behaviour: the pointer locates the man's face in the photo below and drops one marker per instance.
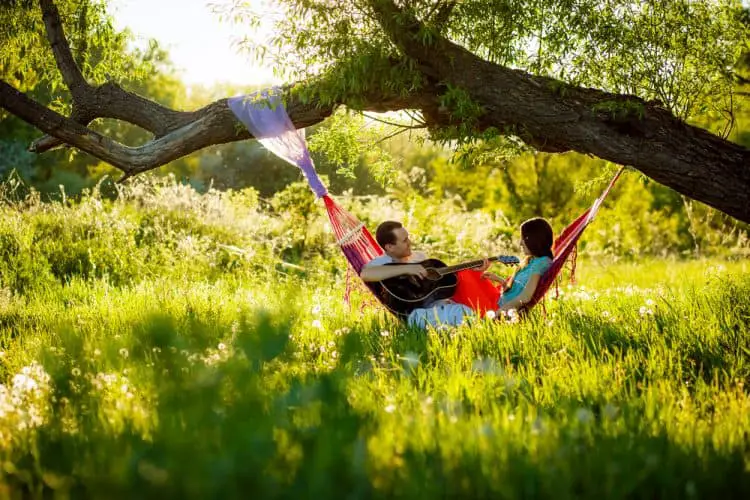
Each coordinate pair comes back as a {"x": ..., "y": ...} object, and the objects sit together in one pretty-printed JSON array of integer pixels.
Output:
[{"x": 401, "y": 249}]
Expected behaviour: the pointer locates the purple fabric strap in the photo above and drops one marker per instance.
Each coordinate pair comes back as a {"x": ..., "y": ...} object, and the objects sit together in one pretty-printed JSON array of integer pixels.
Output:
[{"x": 264, "y": 116}]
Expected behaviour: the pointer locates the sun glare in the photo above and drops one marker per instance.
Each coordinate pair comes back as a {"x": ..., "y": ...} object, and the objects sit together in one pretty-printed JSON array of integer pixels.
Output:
[{"x": 202, "y": 47}]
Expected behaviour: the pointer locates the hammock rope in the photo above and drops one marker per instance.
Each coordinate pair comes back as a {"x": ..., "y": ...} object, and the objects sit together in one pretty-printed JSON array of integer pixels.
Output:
[{"x": 264, "y": 115}]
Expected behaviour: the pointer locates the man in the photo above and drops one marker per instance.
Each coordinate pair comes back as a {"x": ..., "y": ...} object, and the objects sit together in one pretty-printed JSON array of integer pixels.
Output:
[{"x": 394, "y": 239}]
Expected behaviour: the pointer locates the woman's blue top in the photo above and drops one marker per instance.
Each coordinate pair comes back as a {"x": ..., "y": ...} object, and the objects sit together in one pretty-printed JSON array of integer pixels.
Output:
[{"x": 537, "y": 265}]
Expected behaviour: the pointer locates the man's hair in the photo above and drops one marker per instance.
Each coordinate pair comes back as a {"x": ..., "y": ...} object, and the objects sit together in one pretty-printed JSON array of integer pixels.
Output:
[{"x": 384, "y": 234}]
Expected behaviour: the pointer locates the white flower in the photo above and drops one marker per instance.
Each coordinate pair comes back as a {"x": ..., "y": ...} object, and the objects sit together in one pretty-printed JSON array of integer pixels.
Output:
[
  {"x": 584, "y": 415},
  {"x": 411, "y": 359},
  {"x": 605, "y": 314},
  {"x": 384, "y": 333},
  {"x": 76, "y": 372},
  {"x": 490, "y": 315},
  {"x": 316, "y": 309},
  {"x": 221, "y": 346},
  {"x": 610, "y": 411},
  {"x": 124, "y": 352},
  {"x": 390, "y": 408},
  {"x": 316, "y": 324}
]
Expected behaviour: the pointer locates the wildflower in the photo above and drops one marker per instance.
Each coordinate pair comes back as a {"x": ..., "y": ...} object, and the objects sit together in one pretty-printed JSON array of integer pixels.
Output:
[
  {"x": 610, "y": 411},
  {"x": 605, "y": 314},
  {"x": 390, "y": 408},
  {"x": 76, "y": 372},
  {"x": 221, "y": 346},
  {"x": 316, "y": 309},
  {"x": 384, "y": 333},
  {"x": 512, "y": 315},
  {"x": 584, "y": 415},
  {"x": 2, "y": 354},
  {"x": 124, "y": 353},
  {"x": 156, "y": 350},
  {"x": 316, "y": 324},
  {"x": 411, "y": 359},
  {"x": 490, "y": 315}
]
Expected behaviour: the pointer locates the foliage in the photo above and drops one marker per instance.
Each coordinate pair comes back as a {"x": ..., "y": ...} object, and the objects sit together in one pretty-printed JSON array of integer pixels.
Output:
[
  {"x": 180, "y": 359},
  {"x": 619, "y": 46}
]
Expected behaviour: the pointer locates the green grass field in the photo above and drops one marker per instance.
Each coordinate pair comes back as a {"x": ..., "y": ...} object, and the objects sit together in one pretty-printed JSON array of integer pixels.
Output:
[{"x": 200, "y": 376}]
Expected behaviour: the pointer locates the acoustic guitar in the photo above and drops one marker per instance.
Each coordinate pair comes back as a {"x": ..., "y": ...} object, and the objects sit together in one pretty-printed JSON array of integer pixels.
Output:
[{"x": 403, "y": 294}]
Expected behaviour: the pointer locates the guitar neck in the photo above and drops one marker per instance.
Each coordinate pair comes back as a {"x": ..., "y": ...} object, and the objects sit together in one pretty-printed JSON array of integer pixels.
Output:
[{"x": 466, "y": 265}]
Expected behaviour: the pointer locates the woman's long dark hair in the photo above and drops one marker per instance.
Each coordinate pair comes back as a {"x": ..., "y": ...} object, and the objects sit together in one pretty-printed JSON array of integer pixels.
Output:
[{"x": 537, "y": 236}]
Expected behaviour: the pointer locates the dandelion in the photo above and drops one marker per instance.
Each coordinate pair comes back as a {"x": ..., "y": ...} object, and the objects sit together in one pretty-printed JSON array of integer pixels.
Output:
[
  {"x": 410, "y": 359},
  {"x": 490, "y": 315},
  {"x": 512, "y": 315},
  {"x": 124, "y": 352},
  {"x": 221, "y": 346},
  {"x": 649, "y": 302},
  {"x": 316, "y": 309},
  {"x": 605, "y": 314},
  {"x": 390, "y": 408},
  {"x": 76, "y": 372},
  {"x": 316, "y": 324},
  {"x": 610, "y": 411},
  {"x": 584, "y": 415},
  {"x": 334, "y": 354}
]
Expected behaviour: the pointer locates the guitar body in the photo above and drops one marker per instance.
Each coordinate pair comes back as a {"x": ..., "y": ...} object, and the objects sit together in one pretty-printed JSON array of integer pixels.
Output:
[{"x": 403, "y": 294}]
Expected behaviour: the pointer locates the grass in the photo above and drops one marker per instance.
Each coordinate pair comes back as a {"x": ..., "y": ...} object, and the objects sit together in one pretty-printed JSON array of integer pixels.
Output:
[
  {"x": 146, "y": 361},
  {"x": 195, "y": 389}
]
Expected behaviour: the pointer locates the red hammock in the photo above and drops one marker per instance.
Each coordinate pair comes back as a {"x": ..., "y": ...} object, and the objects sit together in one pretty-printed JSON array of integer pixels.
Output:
[
  {"x": 264, "y": 115},
  {"x": 480, "y": 294}
]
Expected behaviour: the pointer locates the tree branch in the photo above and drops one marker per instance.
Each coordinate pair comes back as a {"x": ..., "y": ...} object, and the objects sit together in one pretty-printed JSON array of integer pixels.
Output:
[
  {"x": 554, "y": 116},
  {"x": 71, "y": 74}
]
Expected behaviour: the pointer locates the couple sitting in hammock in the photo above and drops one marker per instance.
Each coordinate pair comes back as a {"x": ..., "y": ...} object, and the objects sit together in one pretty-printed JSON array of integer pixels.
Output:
[{"x": 518, "y": 290}]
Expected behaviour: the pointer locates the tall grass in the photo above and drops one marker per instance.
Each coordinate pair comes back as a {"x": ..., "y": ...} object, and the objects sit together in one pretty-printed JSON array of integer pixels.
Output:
[{"x": 159, "y": 346}]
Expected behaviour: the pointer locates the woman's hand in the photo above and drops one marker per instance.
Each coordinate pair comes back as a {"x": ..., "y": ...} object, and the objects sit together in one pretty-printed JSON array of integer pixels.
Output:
[
  {"x": 493, "y": 277},
  {"x": 485, "y": 265}
]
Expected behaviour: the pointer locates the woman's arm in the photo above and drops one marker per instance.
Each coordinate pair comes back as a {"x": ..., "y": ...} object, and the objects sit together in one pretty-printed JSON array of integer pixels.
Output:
[{"x": 524, "y": 297}]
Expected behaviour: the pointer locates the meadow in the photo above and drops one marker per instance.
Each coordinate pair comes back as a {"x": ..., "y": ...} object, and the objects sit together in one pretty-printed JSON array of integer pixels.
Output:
[{"x": 172, "y": 344}]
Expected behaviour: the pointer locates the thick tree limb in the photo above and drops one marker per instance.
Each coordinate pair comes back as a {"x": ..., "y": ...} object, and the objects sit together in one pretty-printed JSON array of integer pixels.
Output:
[
  {"x": 213, "y": 124},
  {"x": 555, "y": 117},
  {"x": 548, "y": 114}
]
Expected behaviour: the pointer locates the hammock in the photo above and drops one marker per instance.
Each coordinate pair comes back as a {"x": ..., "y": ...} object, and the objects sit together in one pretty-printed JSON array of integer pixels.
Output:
[
  {"x": 265, "y": 117},
  {"x": 483, "y": 295}
]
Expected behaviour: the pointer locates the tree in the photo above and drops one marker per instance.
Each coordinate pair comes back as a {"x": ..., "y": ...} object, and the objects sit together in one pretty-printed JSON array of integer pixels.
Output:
[{"x": 617, "y": 79}]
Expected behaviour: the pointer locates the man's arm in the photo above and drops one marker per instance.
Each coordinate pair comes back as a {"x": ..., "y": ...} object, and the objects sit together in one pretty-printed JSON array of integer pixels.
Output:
[{"x": 380, "y": 273}]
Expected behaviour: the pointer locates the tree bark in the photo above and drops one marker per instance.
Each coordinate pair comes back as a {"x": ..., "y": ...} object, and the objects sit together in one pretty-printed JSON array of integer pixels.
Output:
[
  {"x": 553, "y": 116},
  {"x": 548, "y": 114}
]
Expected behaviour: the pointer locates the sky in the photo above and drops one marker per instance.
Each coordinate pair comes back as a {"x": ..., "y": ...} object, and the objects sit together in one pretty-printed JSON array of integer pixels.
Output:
[{"x": 198, "y": 44}]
